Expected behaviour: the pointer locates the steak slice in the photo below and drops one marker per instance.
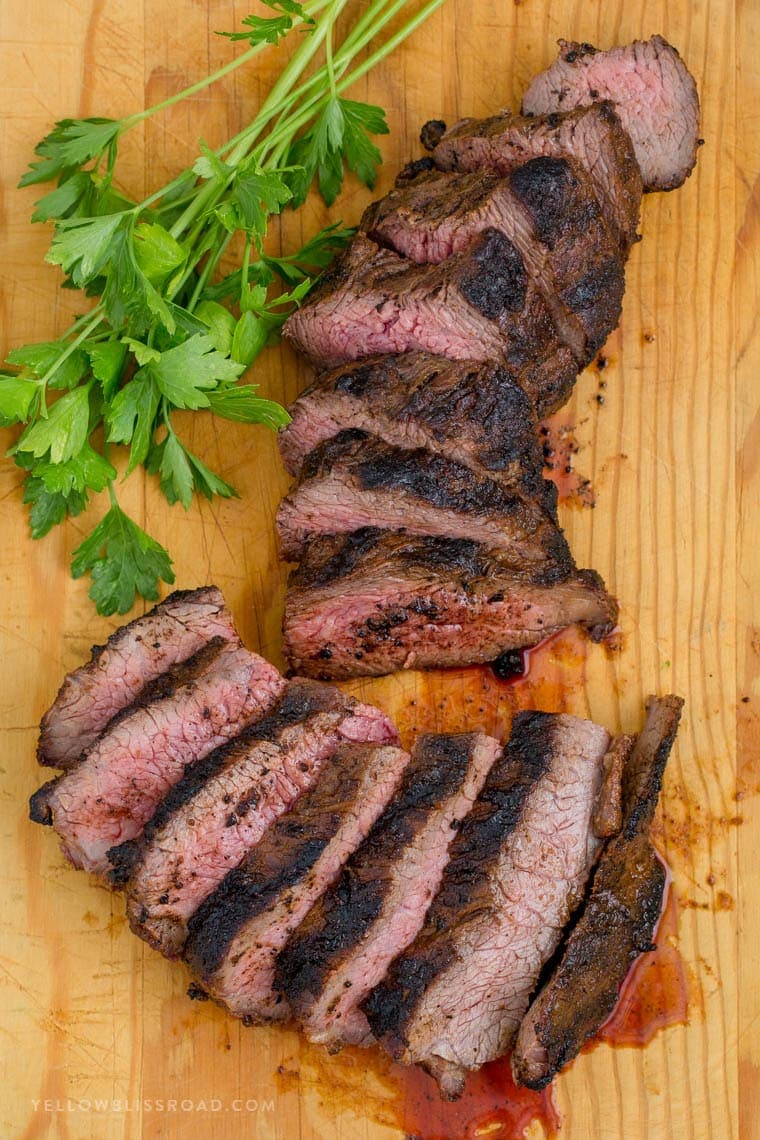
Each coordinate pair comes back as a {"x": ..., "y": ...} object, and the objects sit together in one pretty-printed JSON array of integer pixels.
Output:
[
  {"x": 236, "y": 933},
  {"x": 377, "y": 906},
  {"x": 225, "y": 802},
  {"x": 371, "y": 603},
  {"x": 479, "y": 305},
  {"x": 356, "y": 480},
  {"x": 547, "y": 208},
  {"x": 652, "y": 91},
  {"x": 455, "y": 997},
  {"x": 616, "y": 924},
  {"x": 478, "y": 415},
  {"x": 134, "y": 655},
  {"x": 115, "y": 788},
  {"x": 592, "y": 135}
]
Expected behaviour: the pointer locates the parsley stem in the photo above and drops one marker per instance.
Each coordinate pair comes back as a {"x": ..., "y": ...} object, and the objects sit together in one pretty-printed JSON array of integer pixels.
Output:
[
  {"x": 95, "y": 316},
  {"x": 292, "y": 124},
  {"x": 329, "y": 48},
  {"x": 207, "y": 270},
  {"x": 208, "y": 195},
  {"x": 311, "y": 9}
]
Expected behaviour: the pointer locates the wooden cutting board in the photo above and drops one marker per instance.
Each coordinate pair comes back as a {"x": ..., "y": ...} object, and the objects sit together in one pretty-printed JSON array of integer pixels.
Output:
[{"x": 91, "y": 1014}]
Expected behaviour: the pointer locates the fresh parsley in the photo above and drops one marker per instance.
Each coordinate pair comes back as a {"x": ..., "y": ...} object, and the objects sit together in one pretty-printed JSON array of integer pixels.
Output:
[{"x": 169, "y": 331}]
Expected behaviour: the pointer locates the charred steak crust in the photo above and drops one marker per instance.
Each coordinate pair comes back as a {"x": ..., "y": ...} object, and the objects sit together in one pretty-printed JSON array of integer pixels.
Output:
[
  {"x": 617, "y": 921},
  {"x": 355, "y": 479},
  {"x": 466, "y": 885},
  {"x": 546, "y": 208},
  {"x": 373, "y": 601},
  {"x": 460, "y": 556},
  {"x": 282, "y": 878},
  {"x": 244, "y": 894},
  {"x": 299, "y": 701},
  {"x": 475, "y": 414},
  {"x": 122, "y": 669},
  {"x": 476, "y": 305},
  {"x": 617, "y": 925},
  {"x": 496, "y": 282},
  {"x": 592, "y": 135},
  {"x": 440, "y": 481},
  {"x": 345, "y": 913}
]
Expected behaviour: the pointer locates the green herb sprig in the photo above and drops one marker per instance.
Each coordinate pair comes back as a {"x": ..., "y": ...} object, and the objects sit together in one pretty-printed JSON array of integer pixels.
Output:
[{"x": 167, "y": 332}]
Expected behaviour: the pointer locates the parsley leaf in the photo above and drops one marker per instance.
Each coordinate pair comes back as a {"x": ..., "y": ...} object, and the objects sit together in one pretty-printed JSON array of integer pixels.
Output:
[
  {"x": 254, "y": 195},
  {"x": 107, "y": 361},
  {"x": 360, "y": 120},
  {"x": 64, "y": 431},
  {"x": 340, "y": 133},
  {"x": 82, "y": 246},
  {"x": 207, "y": 483},
  {"x": 63, "y": 201},
  {"x": 50, "y": 508},
  {"x": 131, "y": 417},
  {"x": 123, "y": 560},
  {"x": 175, "y": 470},
  {"x": 270, "y": 30},
  {"x": 18, "y": 399},
  {"x": 72, "y": 143},
  {"x": 86, "y": 471},
  {"x": 184, "y": 373},
  {"x": 244, "y": 406},
  {"x": 44, "y": 359},
  {"x": 157, "y": 253}
]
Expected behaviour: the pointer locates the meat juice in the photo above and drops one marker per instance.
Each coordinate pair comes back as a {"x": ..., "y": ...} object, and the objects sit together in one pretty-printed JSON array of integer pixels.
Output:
[
  {"x": 491, "y": 1106},
  {"x": 653, "y": 996},
  {"x": 655, "y": 993}
]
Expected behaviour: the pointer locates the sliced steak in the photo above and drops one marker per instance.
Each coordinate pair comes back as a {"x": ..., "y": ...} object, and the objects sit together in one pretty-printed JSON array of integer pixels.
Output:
[
  {"x": 225, "y": 802},
  {"x": 356, "y": 480},
  {"x": 651, "y": 89},
  {"x": 592, "y": 135},
  {"x": 372, "y": 602},
  {"x": 377, "y": 906},
  {"x": 547, "y": 208},
  {"x": 236, "y": 934},
  {"x": 480, "y": 305},
  {"x": 478, "y": 415},
  {"x": 134, "y": 655},
  {"x": 616, "y": 924},
  {"x": 455, "y": 997},
  {"x": 115, "y": 788}
]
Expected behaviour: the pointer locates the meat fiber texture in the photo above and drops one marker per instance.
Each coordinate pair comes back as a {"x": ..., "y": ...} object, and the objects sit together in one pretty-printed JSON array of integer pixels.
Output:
[
  {"x": 374, "y": 602},
  {"x": 133, "y": 657},
  {"x": 617, "y": 921},
  {"x": 455, "y": 998},
  {"x": 478, "y": 305},
  {"x": 112, "y": 792},
  {"x": 547, "y": 208},
  {"x": 224, "y": 804},
  {"x": 237, "y": 932},
  {"x": 354, "y": 480},
  {"x": 346, "y": 943},
  {"x": 478, "y": 415},
  {"x": 593, "y": 136},
  {"x": 652, "y": 91}
]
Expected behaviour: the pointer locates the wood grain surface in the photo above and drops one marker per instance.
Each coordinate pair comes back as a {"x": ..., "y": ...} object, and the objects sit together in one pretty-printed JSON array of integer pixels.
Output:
[{"x": 88, "y": 1012}]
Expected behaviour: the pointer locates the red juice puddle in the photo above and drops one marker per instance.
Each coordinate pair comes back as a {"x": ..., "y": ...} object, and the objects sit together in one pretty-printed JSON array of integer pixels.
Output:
[
  {"x": 655, "y": 993},
  {"x": 491, "y": 1107},
  {"x": 560, "y": 447}
]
